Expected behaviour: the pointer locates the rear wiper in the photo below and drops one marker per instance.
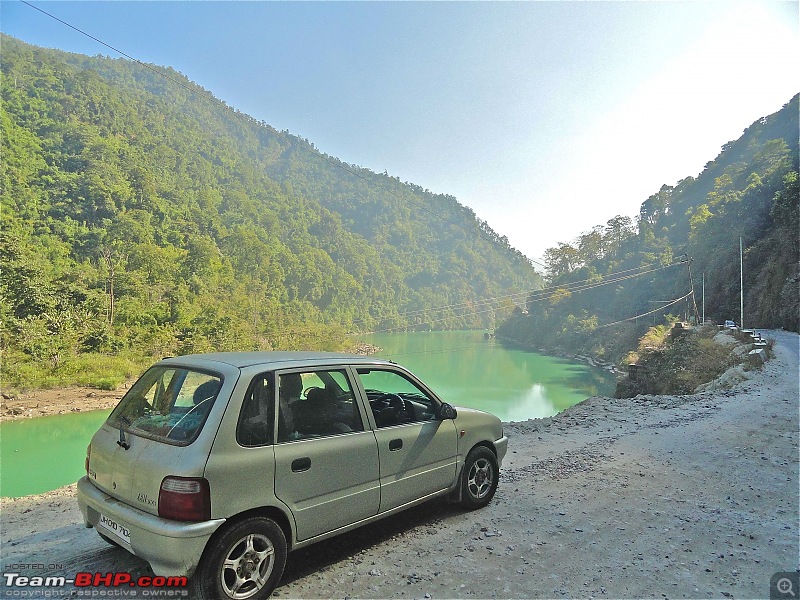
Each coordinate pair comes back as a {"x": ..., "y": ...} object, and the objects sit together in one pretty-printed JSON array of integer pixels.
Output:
[{"x": 121, "y": 441}]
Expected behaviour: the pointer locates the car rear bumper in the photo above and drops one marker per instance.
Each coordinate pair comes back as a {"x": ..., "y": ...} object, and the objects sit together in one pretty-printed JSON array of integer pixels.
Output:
[{"x": 171, "y": 547}]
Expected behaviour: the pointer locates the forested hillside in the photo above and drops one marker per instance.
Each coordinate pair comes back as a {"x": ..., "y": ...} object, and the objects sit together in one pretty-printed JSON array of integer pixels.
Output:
[
  {"x": 625, "y": 268},
  {"x": 140, "y": 214}
]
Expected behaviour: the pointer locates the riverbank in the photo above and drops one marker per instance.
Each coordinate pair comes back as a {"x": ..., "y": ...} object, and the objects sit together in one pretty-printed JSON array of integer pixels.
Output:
[
  {"x": 40, "y": 403},
  {"x": 653, "y": 496},
  {"x": 589, "y": 360},
  {"x": 61, "y": 401}
]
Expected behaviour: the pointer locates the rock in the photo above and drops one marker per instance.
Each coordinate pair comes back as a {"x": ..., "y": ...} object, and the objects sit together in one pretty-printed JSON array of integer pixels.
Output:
[
  {"x": 727, "y": 380},
  {"x": 724, "y": 338}
]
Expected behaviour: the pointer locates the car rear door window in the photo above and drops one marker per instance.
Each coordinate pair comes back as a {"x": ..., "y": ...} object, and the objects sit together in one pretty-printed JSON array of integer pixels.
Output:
[{"x": 257, "y": 417}]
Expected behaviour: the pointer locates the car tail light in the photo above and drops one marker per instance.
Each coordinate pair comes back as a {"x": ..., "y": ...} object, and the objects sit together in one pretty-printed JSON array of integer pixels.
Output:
[
  {"x": 88, "y": 456},
  {"x": 184, "y": 499}
]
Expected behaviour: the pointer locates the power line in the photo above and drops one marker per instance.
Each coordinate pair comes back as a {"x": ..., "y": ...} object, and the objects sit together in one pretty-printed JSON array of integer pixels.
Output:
[
  {"x": 448, "y": 350},
  {"x": 472, "y": 346},
  {"x": 530, "y": 299},
  {"x": 592, "y": 282},
  {"x": 647, "y": 313},
  {"x": 541, "y": 298},
  {"x": 614, "y": 278},
  {"x": 585, "y": 284},
  {"x": 338, "y": 164},
  {"x": 128, "y": 56}
]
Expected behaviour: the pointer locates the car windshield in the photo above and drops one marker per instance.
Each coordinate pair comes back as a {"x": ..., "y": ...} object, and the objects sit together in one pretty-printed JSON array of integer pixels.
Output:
[{"x": 167, "y": 404}]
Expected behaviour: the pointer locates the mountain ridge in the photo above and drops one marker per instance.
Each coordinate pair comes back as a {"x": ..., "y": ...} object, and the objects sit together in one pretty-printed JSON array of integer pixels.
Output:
[
  {"x": 749, "y": 191},
  {"x": 146, "y": 216}
]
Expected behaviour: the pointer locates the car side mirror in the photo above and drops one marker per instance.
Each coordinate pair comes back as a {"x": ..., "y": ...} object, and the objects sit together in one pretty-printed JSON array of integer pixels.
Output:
[{"x": 447, "y": 411}]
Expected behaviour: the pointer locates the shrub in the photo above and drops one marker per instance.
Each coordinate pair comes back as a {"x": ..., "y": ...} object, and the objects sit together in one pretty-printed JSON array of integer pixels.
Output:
[{"x": 677, "y": 366}]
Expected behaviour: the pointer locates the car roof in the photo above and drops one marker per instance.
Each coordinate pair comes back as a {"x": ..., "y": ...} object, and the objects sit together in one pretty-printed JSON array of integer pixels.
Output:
[{"x": 273, "y": 360}]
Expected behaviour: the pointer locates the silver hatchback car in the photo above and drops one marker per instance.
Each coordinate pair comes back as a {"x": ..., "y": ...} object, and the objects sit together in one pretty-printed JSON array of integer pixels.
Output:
[{"x": 214, "y": 466}]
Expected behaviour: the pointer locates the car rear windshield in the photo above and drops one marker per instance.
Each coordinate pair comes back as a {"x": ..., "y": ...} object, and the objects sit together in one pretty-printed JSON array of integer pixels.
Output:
[{"x": 167, "y": 404}]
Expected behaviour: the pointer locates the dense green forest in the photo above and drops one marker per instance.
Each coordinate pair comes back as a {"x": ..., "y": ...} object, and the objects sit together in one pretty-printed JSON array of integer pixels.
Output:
[
  {"x": 684, "y": 235},
  {"x": 143, "y": 217}
]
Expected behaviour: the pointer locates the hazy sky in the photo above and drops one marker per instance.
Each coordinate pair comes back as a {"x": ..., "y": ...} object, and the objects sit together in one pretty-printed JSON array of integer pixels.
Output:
[{"x": 546, "y": 118}]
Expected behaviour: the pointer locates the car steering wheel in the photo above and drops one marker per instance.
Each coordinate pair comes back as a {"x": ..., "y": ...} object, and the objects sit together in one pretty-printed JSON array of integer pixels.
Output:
[{"x": 395, "y": 402}]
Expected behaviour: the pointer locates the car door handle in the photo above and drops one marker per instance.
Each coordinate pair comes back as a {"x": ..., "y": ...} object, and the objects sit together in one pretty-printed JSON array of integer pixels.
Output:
[
  {"x": 301, "y": 464},
  {"x": 395, "y": 445}
]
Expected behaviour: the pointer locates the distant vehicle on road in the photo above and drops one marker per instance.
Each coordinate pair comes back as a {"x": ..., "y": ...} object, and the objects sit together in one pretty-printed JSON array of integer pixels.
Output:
[{"x": 730, "y": 324}]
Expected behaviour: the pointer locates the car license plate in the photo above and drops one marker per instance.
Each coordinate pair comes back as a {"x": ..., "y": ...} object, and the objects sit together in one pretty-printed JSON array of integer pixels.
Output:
[{"x": 111, "y": 526}]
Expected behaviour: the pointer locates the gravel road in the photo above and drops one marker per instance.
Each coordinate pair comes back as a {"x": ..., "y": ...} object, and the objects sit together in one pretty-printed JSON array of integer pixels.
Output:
[{"x": 655, "y": 496}]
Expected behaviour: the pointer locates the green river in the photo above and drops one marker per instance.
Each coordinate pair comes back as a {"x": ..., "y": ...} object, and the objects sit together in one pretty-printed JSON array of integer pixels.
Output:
[
  {"x": 467, "y": 370},
  {"x": 38, "y": 455}
]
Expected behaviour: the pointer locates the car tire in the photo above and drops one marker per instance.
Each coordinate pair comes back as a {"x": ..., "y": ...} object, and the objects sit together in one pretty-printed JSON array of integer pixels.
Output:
[
  {"x": 244, "y": 561},
  {"x": 479, "y": 478}
]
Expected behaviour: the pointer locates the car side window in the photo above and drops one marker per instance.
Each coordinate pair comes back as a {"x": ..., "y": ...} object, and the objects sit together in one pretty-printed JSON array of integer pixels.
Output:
[
  {"x": 394, "y": 399},
  {"x": 257, "y": 417},
  {"x": 317, "y": 403}
]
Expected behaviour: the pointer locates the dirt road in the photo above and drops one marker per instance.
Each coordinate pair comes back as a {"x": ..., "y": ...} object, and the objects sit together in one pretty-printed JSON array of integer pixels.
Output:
[{"x": 690, "y": 496}]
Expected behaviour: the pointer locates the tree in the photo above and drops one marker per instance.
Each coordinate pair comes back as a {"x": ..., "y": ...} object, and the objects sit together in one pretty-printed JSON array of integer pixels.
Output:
[
  {"x": 114, "y": 261},
  {"x": 561, "y": 260},
  {"x": 591, "y": 245},
  {"x": 618, "y": 229}
]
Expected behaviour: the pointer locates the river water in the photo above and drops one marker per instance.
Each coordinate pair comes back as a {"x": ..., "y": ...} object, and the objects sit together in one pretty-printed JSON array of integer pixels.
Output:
[
  {"x": 42, "y": 454},
  {"x": 467, "y": 370},
  {"x": 45, "y": 453}
]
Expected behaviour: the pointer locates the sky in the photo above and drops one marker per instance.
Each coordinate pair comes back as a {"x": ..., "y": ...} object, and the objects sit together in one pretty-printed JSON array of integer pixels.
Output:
[{"x": 545, "y": 118}]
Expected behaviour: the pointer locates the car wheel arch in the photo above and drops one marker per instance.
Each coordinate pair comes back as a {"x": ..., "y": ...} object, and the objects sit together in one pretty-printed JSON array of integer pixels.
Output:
[
  {"x": 269, "y": 512},
  {"x": 485, "y": 444}
]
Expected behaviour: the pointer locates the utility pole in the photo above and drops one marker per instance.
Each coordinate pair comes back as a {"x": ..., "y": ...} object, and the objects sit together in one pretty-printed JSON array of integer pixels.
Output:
[
  {"x": 704, "y": 299},
  {"x": 691, "y": 283},
  {"x": 741, "y": 285}
]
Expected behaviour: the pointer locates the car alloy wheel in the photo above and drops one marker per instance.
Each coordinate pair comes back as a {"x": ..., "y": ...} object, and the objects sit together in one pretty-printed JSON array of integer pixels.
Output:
[
  {"x": 479, "y": 480},
  {"x": 248, "y": 566}
]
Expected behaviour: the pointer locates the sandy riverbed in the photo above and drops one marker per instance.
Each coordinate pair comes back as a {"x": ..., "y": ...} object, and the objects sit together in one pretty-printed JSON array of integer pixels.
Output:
[
  {"x": 59, "y": 402},
  {"x": 661, "y": 496}
]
